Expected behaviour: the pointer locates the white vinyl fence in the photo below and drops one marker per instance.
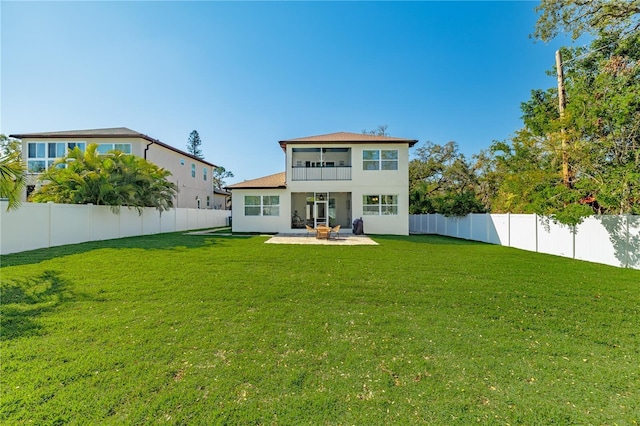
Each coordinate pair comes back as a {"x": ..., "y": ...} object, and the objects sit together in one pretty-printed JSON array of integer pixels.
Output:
[
  {"x": 612, "y": 240},
  {"x": 40, "y": 225}
]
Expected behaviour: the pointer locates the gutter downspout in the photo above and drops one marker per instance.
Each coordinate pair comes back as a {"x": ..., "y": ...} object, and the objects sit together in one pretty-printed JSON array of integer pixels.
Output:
[{"x": 146, "y": 149}]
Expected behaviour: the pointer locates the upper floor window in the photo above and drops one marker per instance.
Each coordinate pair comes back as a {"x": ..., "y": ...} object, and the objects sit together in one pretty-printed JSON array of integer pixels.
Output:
[
  {"x": 41, "y": 155},
  {"x": 204, "y": 173},
  {"x": 380, "y": 159},
  {"x": 104, "y": 148},
  {"x": 193, "y": 170},
  {"x": 182, "y": 161},
  {"x": 380, "y": 205}
]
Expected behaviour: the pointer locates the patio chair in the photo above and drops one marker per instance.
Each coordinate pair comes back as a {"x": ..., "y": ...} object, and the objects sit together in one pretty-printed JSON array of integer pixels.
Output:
[
  {"x": 335, "y": 230},
  {"x": 310, "y": 230}
]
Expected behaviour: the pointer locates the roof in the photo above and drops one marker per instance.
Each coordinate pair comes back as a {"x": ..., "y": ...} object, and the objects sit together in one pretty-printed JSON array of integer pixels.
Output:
[
  {"x": 347, "y": 137},
  {"x": 272, "y": 181},
  {"x": 111, "y": 132},
  {"x": 220, "y": 191}
]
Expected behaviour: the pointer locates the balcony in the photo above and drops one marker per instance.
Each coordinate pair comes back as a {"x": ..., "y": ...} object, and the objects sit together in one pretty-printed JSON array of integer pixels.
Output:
[{"x": 321, "y": 173}]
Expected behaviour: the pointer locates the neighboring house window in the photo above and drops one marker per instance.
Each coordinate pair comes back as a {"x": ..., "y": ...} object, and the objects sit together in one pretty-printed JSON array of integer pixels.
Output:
[
  {"x": 193, "y": 170},
  {"x": 104, "y": 148},
  {"x": 208, "y": 200},
  {"x": 182, "y": 161},
  {"x": 41, "y": 155},
  {"x": 265, "y": 205},
  {"x": 380, "y": 205},
  {"x": 204, "y": 173},
  {"x": 380, "y": 159}
]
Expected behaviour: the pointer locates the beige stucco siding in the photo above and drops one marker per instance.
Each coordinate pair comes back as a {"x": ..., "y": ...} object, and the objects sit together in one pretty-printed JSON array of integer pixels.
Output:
[{"x": 191, "y": 189}]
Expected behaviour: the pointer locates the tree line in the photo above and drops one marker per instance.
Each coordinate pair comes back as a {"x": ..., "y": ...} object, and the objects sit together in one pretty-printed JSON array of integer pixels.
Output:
[{"x": 597, "y": 137}]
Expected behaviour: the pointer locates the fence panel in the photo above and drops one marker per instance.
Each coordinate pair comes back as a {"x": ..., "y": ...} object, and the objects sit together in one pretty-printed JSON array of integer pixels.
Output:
[
  {"x": 523, "y": 231},
  {"x": 611, "y": 240},
  {"x": 479, "y": 225},
  {"x": 68, "y": 224},
  {"x": 464, "y": 227},
  {"x": 41, "y": 225},
  {"x": 607, "y": 233},
  {"x": 150, "y": 221},
  {"x": 105, "y": 225},
  {"x": 24, "y": 229},
  {"x": 555, "y": 238}
]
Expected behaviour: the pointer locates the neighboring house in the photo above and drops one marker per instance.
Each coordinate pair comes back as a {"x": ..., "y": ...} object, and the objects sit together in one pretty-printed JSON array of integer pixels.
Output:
[
  {"x": 330, "y": 179},
  {"x": 221, "y": 199},
  {"x": 191, "y": 174}
]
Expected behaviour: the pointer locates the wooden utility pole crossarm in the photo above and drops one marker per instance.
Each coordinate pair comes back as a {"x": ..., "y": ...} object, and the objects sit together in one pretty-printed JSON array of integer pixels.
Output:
[{"x": 562, "y": 103}]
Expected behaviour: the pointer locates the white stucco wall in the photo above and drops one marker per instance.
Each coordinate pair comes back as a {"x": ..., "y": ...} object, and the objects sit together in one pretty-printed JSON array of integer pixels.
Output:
[
  {"x": 269, "y": 224},
  {"x": 366, "y": 182}
]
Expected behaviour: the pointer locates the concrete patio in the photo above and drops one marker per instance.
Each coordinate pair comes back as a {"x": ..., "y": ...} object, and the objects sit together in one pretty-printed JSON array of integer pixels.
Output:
[{"x": 343, "y": 240}]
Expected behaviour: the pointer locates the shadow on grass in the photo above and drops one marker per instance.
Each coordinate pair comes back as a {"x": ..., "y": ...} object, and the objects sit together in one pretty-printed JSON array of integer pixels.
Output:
[
  {"x": 427, "y": 239},
  {"x": 24, "y": 300},
  {"x": 170, "y": 241}
]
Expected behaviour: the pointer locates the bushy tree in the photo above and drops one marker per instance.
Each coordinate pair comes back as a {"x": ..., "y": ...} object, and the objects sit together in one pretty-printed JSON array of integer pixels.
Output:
[
  {"x": 601, "y": 126},
  {"x": 442, "y": 180},
  {"x": 577, "y": 17},
  {"x": 12, "y": 172},
  {"x": 219, "y": 176},
  {"x": 115, "y": 180},
  {"x": 193, "y": 144}
]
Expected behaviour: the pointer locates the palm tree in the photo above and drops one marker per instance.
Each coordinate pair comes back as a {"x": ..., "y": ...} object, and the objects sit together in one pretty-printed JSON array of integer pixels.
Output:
[
  {"x": 115, "y": 180},
  {"x": 12, "y": 174}
]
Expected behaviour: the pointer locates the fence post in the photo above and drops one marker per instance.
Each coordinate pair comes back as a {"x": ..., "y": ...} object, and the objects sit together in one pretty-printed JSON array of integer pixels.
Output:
[
  {"x": 50, "y": 206},
  {"x": 535, "y": 216},
  {"x": 627, "y": 247},
  {"x": 509, "y": 229},
  {"x": 89, "y": 222}
]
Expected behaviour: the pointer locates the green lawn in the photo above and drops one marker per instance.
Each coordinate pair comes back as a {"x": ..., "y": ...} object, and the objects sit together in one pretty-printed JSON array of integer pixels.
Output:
[{"x": 183, "y": 329}]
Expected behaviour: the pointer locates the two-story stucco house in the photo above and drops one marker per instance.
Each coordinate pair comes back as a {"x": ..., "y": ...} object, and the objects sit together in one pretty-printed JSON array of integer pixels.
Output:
[
  {"x": 330, "y": 179},
  {"x": 191, "y": 174}
]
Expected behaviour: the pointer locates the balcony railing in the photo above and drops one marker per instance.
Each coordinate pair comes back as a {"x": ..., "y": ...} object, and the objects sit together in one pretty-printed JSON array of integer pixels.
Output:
[{"x": 321, "y": 173}]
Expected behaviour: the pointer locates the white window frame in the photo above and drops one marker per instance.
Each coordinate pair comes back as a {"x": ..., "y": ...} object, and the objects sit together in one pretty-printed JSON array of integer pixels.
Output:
[
  {"x": 104, "y": 148},
  {"x": 263, "y": 205},
  {"x": 379, "y": 159},
  {"x": 193, "y": 170},
  {"x": 380, "y": 205},
  {"x": 43, "y": 158}
]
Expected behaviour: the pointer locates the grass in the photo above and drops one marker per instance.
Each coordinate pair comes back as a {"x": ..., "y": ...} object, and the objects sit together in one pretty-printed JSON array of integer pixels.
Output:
[{"x": 184, "y": 329}]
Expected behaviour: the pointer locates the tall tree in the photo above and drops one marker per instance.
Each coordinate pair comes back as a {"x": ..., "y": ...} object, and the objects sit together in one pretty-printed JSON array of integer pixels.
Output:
[
  {"x": 193, "y": 144},
  {"x": 602, "y": 134},
  {"x": 113, "y": 180},
  {"x": 12, "y": 172},
  {"x": 219, "y": 176},
  {"x": 577, "y": 17}
]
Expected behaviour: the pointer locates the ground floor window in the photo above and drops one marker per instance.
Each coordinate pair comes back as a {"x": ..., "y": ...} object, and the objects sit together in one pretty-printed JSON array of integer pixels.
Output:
[
  {"x": 380, "y": 205},
  {"x": 262, "y": 205}
]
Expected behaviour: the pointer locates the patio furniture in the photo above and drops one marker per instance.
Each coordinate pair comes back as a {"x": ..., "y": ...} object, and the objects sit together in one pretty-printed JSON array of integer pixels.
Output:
[
  {"x": 335, "y": 230},
  {"x": 323, "y": 232},
  {"x": 310, "y": 230}
]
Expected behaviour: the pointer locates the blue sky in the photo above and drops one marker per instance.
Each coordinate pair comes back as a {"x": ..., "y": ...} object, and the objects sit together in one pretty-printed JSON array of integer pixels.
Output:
[{"x": 248, "y": 74}]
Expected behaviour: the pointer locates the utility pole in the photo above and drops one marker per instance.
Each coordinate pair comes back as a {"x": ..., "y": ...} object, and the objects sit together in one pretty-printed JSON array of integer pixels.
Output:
[{"x": 562, "y": 103}]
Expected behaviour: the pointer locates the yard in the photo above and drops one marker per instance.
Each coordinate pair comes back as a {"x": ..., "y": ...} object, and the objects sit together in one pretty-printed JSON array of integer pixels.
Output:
[{"x": 184, "y": 329}]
